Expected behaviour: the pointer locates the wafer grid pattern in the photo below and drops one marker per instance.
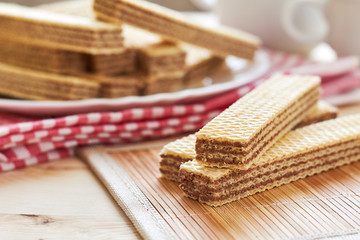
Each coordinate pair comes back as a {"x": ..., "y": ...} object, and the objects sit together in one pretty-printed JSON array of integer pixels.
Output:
[
  {"x": 252, "y": 124},
  {"x": 183, "y": 150},
  {"x": 302, "y": 152}
]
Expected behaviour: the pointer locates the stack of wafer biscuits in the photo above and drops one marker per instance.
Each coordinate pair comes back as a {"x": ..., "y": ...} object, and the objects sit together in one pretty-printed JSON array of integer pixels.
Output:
[
  {"x": 183, "y": 150},
  {"x": 112, "y": 64},
  {"x": 244, "y": 131},
  {"x": 300, "y": 153},
  {"x": 50, "y": 51},
  {"x": 65, "y": 38},
  {"x": 30, "y": 84},
  {"x": 162, "y": 66},
  {"x": 104, "y": 64},
  {"x": 172, "y": 25},
  {"x": 160, "y": 63}
]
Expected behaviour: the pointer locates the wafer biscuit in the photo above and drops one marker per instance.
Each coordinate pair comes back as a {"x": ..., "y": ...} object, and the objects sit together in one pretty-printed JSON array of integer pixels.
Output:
[
  {"x": 169, "y": 82},
  {"x": 183, "y": 150},
  {"x": 244, "y": 131},
  {"x": 199, "y": 63},
  {"x": 41, "y": 58},
  {"x": 105, "y": 64},
  {"x": 175, "y": 26},
  {"x": 35, "y": 85},
  {"x": 118, "y": 86},
  {"x": 174, "y": 154},
  {"x": 161, "y": 58},
  {"x": 110, "y": 64},
  {"x": 300, "y": 153},
  {"x": 62, "y": 31},
  {"x": 162, "y": 66},
  {"x": 323, "y": 111}
]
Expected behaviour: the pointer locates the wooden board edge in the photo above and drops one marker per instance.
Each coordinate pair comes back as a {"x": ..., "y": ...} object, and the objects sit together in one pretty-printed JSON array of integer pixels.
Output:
[{"x": 126, "y": 193}]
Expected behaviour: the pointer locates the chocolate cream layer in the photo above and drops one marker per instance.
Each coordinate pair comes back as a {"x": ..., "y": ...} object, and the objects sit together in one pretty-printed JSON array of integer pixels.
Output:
[
  {"x": 238, "y": 190},
  {"x": 183, "y": 150}
]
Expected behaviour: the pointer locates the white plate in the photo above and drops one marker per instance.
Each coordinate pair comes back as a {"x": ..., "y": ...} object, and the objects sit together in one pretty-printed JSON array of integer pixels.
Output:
[{"x": 241, "y": 72}]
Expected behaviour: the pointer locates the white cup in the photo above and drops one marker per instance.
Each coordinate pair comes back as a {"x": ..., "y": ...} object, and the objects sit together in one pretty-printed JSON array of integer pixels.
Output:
[
  {"x": 288, "y": 25},
  {"x": 344, "y": 20}
]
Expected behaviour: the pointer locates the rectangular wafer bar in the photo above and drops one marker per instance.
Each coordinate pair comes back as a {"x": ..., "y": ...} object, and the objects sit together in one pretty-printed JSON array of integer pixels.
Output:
[
  {"x": 62, "y": 31},
  {"x": 36, "y": 85},
  {"x": 40, "y": 58},
  {"x": 113, "y": 63},
  {"x": 162, "y": 66},
  {"x": 168, "y": 82},
  {"x": 173, "y": 154},
  {"x": 117, "y": 86},
  {"x": 199, "y": 63},
  {"x": 300, "y": 153},
  {"x": 240, "y": 134},
  {"x": 162, "y": 58},
  {"x": 177, "y": 27},
  {"x": 182, "y": 150}
]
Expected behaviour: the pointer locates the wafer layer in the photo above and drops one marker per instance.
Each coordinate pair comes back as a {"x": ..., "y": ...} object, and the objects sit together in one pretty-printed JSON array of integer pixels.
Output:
[
  {"x": 183, "y": 150},
  {"x": 118, "y": 86},
  {"x": 62, "y": 31},
  {"x": 174, "y": 154},
  {"x": 240, "y": 134},
  {"x": 29, "y": 84},
  {"x": 109, "y": 64},
  {"x": 169, "y": 82},
  {"x": 301, "y": 153},
  {"x": 40, "y": 58},
  {"x": 173, "y": 25}
]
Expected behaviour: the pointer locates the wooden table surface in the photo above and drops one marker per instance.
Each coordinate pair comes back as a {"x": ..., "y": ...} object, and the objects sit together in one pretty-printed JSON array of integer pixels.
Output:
[{"x": 64, "y": 200}]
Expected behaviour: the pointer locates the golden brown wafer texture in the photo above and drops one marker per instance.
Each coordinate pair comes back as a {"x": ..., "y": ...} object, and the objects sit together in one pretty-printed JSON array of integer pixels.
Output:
[
  {"x": 323, "y": 111},
  {"x": 41, "y": 58},
  {"x": 240, "y": 134},
  {"x": 48, "y": 29},
  {"x": 300, "y": 153},
  {"x": 177, "y": 27},
  {"x": 30, "y": 84},
  {"x": 183, "y": 150}
]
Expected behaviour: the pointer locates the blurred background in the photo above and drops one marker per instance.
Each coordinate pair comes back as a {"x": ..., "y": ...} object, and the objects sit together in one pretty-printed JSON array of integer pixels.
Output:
[{"x": 182, "y": 5}]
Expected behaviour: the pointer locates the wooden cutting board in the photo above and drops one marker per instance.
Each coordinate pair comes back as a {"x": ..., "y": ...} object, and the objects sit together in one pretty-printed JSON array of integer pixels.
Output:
[{"x": 324, "y": 206}]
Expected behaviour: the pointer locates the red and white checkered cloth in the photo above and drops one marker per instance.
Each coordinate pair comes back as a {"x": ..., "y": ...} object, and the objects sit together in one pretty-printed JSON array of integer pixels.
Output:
[{"x": 27, "y": 141}]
